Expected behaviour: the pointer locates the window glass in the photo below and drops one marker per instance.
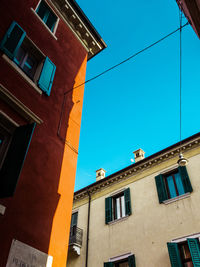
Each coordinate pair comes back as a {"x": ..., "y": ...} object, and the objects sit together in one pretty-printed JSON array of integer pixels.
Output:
[
  {"x": 47, "y": 15},
  {"x": 171, "y": 186},
  {"x": 185, "y": 255},
  {"x": 119, "y": 206},
  {"x": 179, "y": 184}
]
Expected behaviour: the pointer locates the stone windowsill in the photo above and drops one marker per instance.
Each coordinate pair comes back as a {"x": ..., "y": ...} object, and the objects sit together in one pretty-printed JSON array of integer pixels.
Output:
[{"x": 168, "y": 201}]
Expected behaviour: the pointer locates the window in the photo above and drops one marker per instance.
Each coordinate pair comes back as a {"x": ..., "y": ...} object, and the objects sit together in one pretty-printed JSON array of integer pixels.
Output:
[
  {"x": 47, "y": 15},
  {"x": 184, "y": 254},
  {"x": 118, "y": 206},
  {"x": 73, "y": 225},
  {"x": 173, "y": 184},
  {"x": 13, "y": 149},
  {"x": 127, "y": 262},
  {"x": 27, "y": 57}
]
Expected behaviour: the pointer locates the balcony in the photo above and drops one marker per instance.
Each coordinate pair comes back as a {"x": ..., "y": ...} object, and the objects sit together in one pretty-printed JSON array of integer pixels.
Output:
[{"x": 75, "y": 239}]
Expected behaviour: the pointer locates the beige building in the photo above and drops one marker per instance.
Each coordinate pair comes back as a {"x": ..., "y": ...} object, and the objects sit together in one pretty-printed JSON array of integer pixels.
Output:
[{"x": 146, "y": 215}]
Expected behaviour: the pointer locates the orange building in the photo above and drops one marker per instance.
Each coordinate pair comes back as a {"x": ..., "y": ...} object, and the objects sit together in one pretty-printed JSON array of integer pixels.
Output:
[{"x": 44, "y": 48}]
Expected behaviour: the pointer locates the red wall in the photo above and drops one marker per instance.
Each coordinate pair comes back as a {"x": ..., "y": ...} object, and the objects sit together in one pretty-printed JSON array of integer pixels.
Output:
[{"x": 39, "y": 213}]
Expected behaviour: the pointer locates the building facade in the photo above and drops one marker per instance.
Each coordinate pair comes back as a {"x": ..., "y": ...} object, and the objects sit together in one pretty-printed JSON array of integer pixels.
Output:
[
  {"x": 146, "y": 214},
  {"x": 44, "y": 48}
]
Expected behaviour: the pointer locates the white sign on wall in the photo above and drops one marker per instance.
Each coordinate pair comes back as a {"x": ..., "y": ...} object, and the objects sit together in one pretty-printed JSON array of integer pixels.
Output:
[{"x": 22, "y": 255}]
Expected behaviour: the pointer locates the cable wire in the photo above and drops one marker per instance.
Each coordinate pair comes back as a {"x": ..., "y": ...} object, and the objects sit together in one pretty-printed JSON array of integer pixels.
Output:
[
  {"x": 129, "y": 58},
  {"x": 180, "y": 66}
]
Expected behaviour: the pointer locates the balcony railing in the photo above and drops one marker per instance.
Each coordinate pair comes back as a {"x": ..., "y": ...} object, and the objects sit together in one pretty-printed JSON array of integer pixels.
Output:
[{"x": 76, "y": 235}]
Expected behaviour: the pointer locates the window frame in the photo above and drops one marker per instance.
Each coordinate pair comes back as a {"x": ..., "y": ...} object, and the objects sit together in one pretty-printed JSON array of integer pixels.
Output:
[
  {"x": 161, "y": 185},
  {"x": 174, "y": 250},
  {"x": 53, "y": 11},
  {"x": 165, "y": 177},
  {"x": 110, "y": 207},
  {"x": 45, "y": 70}
]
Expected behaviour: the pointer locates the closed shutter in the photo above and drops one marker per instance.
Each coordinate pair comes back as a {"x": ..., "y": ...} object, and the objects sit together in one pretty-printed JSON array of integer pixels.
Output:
[
  {"x": 174, "y": 255},
  {"x": 127, "y": 201},
  {"x": 131, "y": 261},
  {"x": 185, "y": 179},
  {"x": 13, "y": 163},
  {"x": 12, "y": 40},
  {"x": 108, "y": 264},
  {"x": 161, "y": 189},
  {"x": 193, "y": 244},
  {"x": 47, "y": 76},
  {"x": 108, "y": 210}
]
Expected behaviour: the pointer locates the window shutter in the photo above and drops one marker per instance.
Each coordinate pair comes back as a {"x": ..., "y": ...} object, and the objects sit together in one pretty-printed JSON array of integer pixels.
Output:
[
  {"x": 185, "y": 179},
  {"x": 12, "y": 40},
  {"x": 14, "y": 160},
  {"x": 174, "y": 255},
  {"x": 108, "y": 264},
  {"x": 131, "y": 261},
  {"x": 193, "y": 244},
  {"x": 161, "y": 189},
  {"x": 127, "y": 198},
  {"x": 108, "y": 209},
  {"x": 46, "y": 76}
]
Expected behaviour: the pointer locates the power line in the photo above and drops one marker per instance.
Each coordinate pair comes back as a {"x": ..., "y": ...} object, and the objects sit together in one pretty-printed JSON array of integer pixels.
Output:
[{"x": 129, "y": 58}]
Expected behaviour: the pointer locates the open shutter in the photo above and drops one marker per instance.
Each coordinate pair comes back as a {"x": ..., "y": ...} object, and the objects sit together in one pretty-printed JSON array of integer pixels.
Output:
[
  {"x": 108, "y": 264},
  {"x": 161, "y": 189},
  {"x": 174, "y": 255},
  {"x": 131, "y": 261},
  {"x": 13, "y": 163},
  {"x": 185, "y": 179},
  {"x": 47, "y": 76},
  {"x": 12, "y": 40},
  {"x": 193, "y": 244},
  {"x": 127, "y": 201},
  {"x": 108, "y": 209}
]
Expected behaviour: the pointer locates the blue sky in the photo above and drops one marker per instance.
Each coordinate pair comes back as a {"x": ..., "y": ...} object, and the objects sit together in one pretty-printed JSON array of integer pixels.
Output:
[{"x": 137, "y": 104}]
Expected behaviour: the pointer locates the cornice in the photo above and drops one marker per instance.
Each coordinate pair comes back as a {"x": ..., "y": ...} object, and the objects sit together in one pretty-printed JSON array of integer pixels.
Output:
[
  {"x": 134, "y": 169},
  {"x": 80, "y": 26}
]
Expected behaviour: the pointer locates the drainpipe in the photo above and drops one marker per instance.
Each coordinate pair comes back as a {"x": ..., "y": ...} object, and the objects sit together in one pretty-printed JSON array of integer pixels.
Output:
[{"x": 88, "y": 228}]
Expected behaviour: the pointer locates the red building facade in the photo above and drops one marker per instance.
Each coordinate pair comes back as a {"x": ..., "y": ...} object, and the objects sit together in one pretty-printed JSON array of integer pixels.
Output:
[{"x": 44, "y": 46}]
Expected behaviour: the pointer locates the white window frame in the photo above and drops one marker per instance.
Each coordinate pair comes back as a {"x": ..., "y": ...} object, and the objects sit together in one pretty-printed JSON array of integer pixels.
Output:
[{"x": 57, "y": 21}]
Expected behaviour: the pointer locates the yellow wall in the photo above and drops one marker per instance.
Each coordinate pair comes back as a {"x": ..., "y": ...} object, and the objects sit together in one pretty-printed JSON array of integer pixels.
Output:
[{"x": 151, "y": 225}]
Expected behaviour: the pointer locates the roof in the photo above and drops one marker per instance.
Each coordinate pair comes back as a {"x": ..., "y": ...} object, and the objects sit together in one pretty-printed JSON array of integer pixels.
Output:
[{"x": 160, "y": 156}]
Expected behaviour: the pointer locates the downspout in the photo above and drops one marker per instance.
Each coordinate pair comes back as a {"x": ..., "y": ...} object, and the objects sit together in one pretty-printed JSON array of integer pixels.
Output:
[{"x": 88, "y": 229}]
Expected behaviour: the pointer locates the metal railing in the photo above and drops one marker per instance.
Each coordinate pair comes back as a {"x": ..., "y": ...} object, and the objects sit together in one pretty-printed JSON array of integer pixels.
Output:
[{"x": 76, "y": 235}]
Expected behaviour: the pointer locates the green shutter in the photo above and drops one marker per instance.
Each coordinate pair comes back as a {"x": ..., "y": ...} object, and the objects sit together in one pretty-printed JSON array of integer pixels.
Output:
[
  {"x": 47, "y": 76},
  {"x": 161, "y": 189},
  {"x": 193, "y": 244},
  {"x": 131, "y": 261},
  {"x": 12, "y": 40},
  {"x": 127, "y": 201},
  {"x": 108, "y": 209},
  {"x": 108, "y": 264},
  {"x": 14, "y": 160},
  {"x": 174, "y": 255},
  {"x": 185, "y": 179}
]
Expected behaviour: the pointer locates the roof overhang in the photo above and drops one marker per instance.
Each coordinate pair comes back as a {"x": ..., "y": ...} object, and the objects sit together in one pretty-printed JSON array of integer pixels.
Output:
[
  {"x": 80, "y": 26},
  {"x": 191, "y": 9},
  {"x": 140, "y": 166}
]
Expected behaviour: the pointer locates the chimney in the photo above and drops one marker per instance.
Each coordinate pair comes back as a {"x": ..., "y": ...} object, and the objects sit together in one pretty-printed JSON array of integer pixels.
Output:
[
  {"x": 138, "y": 154},
  {"x": 100, "y": 174}
]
